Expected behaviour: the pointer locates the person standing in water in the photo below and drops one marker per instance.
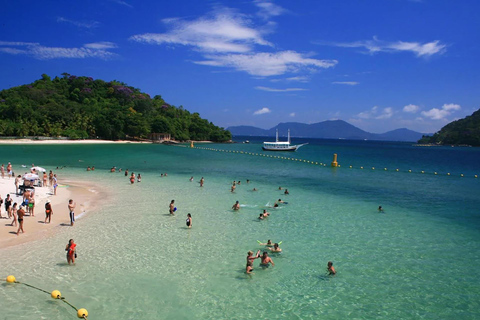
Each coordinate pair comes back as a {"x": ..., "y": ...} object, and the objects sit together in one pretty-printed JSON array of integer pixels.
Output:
[
  {"x": 189, "y": 220},
  {"x": 330, "y": 269},
  {"x": 201, "y": 182},
  {"x": 48, "y": 211},
  {"x": 172, "y": 207},
  {"x": 71, "y": 251},
  {"x": 236, "y": 206},
  {"x": 71, "y": 207},
  {"x": 266, "y": 260}
]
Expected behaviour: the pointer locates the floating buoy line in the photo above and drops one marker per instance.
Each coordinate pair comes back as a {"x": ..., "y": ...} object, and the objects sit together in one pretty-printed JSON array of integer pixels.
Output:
[
  {"x": 55, "y": 294},
  {"x": 334, "y": 163}
]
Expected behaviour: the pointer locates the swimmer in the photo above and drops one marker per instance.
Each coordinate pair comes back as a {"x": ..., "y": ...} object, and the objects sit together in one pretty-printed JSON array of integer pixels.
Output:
[
  {"x": 250, "y": 256},
  {"x": 201, "y": 182},
  {"x": 261, "y": 216},
  {"x": 266, "y": 260},
  {"x": 88, "y": 168},
  {"x": 380, "y": 209},
  {"x": 255, "y": 189},
  {"x": 286, "y": 191},
  {"x": 189, "y": 220},
  {"x": 330, "y": 269},
  {"x": 236, "y": 206},
  {"x": 191, "y": 178},
  {"x": 279, "y": 188},
  {"x": 248, "y": 181},
  {"x": 139, "y": 178},
  {"x": 233, "y": 188},
  {"x": 268, "y": 244},
  {"x": 275, "y": 248},
  {"x": 172, "y": 207}
]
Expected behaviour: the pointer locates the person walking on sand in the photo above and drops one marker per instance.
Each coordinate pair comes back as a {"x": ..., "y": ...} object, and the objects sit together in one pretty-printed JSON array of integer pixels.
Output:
[
  {"x": 1, "y": 202},
  {"x": 55, "y": 184},
  {"x": 8, "y": 204},
  {"x": 21, "y": 214},
  {"x": 189, "y": 220},
  {"x": 14, "y": 215},
  {"x": 45, "y": 178},
  {"x": 71, "y": 251},
  {"x": 172, "y": 208},
  {"x": 71, "y": 207},
  {"x": 50, "y": 178},
  {"x": 17, "y": 183},
  {"x": 9, "y": 170},
  {"x": 48, "y": 211},
  {"x": 2, "y": 169},
  {"x": 31, "y": 203}
]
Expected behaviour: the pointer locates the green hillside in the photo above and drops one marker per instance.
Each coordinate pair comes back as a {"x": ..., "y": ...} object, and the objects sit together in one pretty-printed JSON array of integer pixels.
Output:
[
  {"x": 81, "y": 107},
  {"x": 461, "y": 132}
]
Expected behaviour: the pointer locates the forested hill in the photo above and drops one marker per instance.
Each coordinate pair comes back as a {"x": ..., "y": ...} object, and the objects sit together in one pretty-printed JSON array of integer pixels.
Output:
[
  {"x": 461, "y": 132},
  {"x": 81, "y": 107}
]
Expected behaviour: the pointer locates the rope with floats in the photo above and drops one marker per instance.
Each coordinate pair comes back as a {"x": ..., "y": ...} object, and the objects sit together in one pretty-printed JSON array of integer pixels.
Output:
[
  {"x": 333, "y": 164},
  {"x": 55, "y": 294}
]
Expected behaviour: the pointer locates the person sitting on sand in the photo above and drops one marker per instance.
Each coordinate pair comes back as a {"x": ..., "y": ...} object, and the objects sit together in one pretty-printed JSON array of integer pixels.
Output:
[
  {"x": 275, "y": 248},
  {"x": 236, "y": 206},
  {"x": 266, "y": 260},
  {"x": 330, "y": 269},
  {"x": 71, "y": 251}
]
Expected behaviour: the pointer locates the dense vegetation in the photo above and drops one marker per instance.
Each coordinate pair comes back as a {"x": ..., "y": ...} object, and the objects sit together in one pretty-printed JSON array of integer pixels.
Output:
[
  {"x": 81, "y": 107},
  {"x": 461, "y": 132}
]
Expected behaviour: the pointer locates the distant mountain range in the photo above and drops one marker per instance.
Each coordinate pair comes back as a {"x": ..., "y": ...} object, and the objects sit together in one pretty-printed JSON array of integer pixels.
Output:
[{"x": 332, "y": 129}]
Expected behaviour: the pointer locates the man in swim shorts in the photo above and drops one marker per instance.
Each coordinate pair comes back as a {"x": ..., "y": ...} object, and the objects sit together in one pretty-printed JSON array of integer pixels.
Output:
[
  {"x": 266, "y": 260},
  {"x": 236, "y": 206},
  {"x": 71, "y": 207},
  {"x": 172, "y": 207}
]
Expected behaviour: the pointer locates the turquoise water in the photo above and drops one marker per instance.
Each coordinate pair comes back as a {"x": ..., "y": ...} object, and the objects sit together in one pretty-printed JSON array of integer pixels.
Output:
[{"x": 418, "y": 260}]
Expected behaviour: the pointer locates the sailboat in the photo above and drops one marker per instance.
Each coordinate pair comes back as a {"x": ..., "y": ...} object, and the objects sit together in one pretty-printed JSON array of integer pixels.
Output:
[{"x": 281, "y": 145}]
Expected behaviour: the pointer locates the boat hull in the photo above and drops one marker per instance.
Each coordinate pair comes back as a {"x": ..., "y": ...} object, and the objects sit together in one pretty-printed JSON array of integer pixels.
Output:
[{"x": 292, "y": 148}]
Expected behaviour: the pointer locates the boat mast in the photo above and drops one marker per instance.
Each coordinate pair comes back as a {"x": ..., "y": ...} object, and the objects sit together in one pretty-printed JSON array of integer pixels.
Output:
[
  {"x": 289, "y": 136},
  {"x": 276, "y": 136}
]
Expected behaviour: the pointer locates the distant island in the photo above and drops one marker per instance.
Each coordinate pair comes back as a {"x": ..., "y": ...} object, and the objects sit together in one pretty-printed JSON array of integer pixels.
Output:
[
  {"x": 331, "y": 129},
  {"x": 81, "y": 107},
  {"x": 465, "y": 131}
]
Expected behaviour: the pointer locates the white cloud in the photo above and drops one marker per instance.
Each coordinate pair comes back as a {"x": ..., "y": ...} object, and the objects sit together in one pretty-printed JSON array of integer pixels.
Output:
[
  {"x": 411, "y": 108},
  {"x": 123, "y": 3},
  {"x": 279, "y": 90},
  {"x": 226, "y": 38},
  {"x": 267, "y": 64},
  {"x": 375, "y": 45},
  {"x": 292, "y": 114},
  {"x": 37, "y": 51},
  {"x": 80, "y": 24},
  {"x": 348, "y": 83},
  {"x": 221, "y": 31},
  {"x": 376, "y": 113},
  {"x": 439, "y": 114},
  {"x": 268, "y": 9},
  {"x": 262, "y": 111}
]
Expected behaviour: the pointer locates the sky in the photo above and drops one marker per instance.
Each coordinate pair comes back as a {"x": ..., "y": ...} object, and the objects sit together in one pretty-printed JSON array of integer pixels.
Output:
[{"x": 377, "y": 64}]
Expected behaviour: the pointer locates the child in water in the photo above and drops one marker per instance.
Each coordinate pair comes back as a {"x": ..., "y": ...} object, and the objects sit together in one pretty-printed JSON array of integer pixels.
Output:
[{"x": 330, "y": 269}]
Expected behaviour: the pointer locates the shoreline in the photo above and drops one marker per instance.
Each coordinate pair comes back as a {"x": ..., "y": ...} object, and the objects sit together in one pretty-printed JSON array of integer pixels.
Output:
[
  {"x": 85, "y": 195},
  {"x": 66, "y": 141}
]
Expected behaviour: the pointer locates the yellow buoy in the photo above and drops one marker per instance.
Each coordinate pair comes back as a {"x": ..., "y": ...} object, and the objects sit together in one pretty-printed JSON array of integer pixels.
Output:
[
  {"x": 476, "y": 176},
  {"x": 409, "y": 170},
  {"x": 435, "y": 173},
  {"x": 461, "y": 175},
  {"x": 350, "y": 167},
  {"x": 373, "y": 168},
  {"x": 385, "y": 169},
  {"x": 82, "y": 313},
  {"x": 361, "y": 167},
  {"x": 396, "y": 170},
  {"x": 423, "y": 171},
  {"x": 10, "y": 279},
  {"x": 56, "y": 294},
  {"x": 334, "y": 162},
  {"x": 448, "y": 174}
]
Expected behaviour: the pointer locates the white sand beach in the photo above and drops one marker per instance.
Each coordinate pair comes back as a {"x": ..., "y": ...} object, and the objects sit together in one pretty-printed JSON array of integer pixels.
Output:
[
  {"x": 86, "y": 141},
  {"x": 83, "y": 195}
]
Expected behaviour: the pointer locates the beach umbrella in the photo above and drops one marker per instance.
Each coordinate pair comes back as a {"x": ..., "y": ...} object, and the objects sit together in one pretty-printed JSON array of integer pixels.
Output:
[
  {"x": 39, "y": 169},
  {"x": 30, "y": 176}
]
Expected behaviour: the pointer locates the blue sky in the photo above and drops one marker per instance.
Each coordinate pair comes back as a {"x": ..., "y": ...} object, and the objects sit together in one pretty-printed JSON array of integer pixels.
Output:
[{"x": 377, "y": 64}]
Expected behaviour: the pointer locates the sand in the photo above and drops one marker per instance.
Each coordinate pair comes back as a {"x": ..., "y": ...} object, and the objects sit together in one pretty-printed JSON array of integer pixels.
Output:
[
  {"x": 87, "y": 141},
  {"x": 85, "y": 196}
]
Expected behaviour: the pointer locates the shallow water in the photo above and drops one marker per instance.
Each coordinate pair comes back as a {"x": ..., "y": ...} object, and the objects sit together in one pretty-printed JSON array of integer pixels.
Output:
[{"x": 417, "y": 260}]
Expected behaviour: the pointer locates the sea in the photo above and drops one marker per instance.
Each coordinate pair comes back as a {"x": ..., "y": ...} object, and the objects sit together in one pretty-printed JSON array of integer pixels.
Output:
[{"x": 418, "y": 259}]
